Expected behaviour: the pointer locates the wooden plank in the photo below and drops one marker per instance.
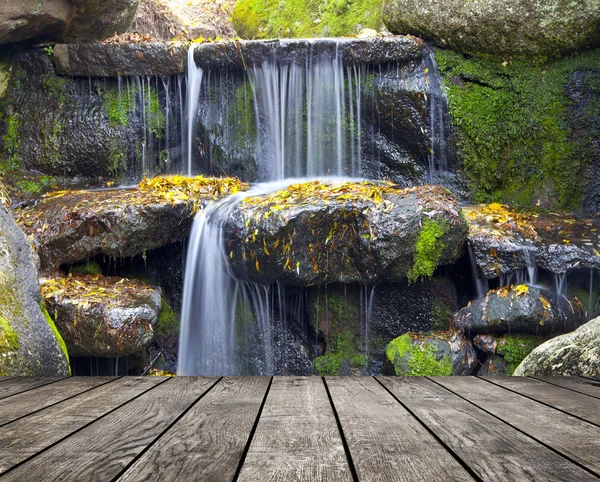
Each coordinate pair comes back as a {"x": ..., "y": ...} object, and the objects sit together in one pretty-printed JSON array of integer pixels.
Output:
[
  {"x": 209, "y": 439},
  {"x": 386, "y": 442},
  {"x": 297, "y": 437},
  {"x": 104, "y": 448},
  {"x": 575, "y": 438},
  {"x": 31, "y": 401},
  {"x": 492, "y": 449},
  {"x": 27, "y": 436},
  {"x": 22, "y": 384},
  {"x": 587, "y": 386},
  {"x": 574, "y": 403},
  {"x": 4, "y": 379}
]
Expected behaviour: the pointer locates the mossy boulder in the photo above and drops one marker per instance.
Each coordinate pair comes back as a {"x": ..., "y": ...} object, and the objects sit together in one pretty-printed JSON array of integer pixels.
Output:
[
  {"x": 574, "y": 354},
  {"x": 505, "y": 353},
  {"x": 29, "y": 344},
  {"x": 442, "y": 353},
  {"x": 501, "y": 27},
  {"x": 322, "y": 232},
  {"x": 261, "y": 19},
  {"x": 526, "y": 129},
  {"x": 520, "y": 309},
  {"x": 69, "y": 227},
  {"x": 102, "y": 316}
]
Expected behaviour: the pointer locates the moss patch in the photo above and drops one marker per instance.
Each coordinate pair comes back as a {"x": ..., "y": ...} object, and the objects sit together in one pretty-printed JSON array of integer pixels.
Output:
[
  {"x": 428, "y": 250},
  {"x": 91, "y": 267},
  {"x": 168, "y": 322},
  {"x": 262, "y": 19},
  {"x": 342, "y": 351},
  {"x": 514, "y": 349},
  {"x": 11, "y": 141},
  {"x": 9, "y": 340},
  {"x": 58, "y": 336},
  {"x": 514, "y": 128},
  {"x": 417, "y": 360}
]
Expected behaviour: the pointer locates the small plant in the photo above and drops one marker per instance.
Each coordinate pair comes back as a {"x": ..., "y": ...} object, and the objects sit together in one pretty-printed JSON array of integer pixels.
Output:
[{"x": 49, "y": 50}]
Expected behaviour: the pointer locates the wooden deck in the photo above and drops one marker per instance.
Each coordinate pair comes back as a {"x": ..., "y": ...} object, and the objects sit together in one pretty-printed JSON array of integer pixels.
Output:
[{"x": 299, "y": 429}]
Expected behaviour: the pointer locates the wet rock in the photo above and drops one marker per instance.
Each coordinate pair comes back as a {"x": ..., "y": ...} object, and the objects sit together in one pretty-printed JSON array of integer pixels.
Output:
[
  {"x": 441, "y": 353},
  {"x": 29, "y": 342},
  {"x": 320, "y": 232},
  {"x": 68, "y": 227},
  {"x": 520, "y": 309},
  {"x": 494, "y": 366},
  {"x": 31, "y": 18},
  {"x": 102, "y": 316},
  {"x": 504, "y": 353},
  {"x": 518, "y": 27},
  {"x": 573, "y": 354},
  {"x": 504, "y": 241},
  {"x": 485, "y": 343}
]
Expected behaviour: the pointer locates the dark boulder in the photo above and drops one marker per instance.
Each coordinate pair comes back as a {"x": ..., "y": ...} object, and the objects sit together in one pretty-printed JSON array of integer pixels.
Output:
[
  {"x": 574, "y": 354},
  {"x": 102, "y": 316},
  {"x": 29, "y": 342},
  {"x": 324, "y": 232},
  {"x": 520, "y": 309},
  {"x": 504, "y": 353},
  {"x": 440, "y": 353},
  {"x": 504, "y": 28}
]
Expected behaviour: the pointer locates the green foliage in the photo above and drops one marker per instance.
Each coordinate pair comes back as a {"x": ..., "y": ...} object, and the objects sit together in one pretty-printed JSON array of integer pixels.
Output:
[
  {"x": 342, "y": 350},
  {"x": 514, "y": 129},
  {"x": 417, "y": 360},
  {"x": 155, "y": 118},
  {"x": 91, "y": 267},
  {"x": 58, "y": 336},
  {"x": 440, "y": 315},
  {"x": 514, "y": 349},
  {"x": 428, "y": 250},
  {"x": 49, "y": 50},
  {"x": 262, "y": 19},
  {"x": 32, "y": 187},
  {"x": 118, "y": 106},
  {"x": 168, "y": 322}
]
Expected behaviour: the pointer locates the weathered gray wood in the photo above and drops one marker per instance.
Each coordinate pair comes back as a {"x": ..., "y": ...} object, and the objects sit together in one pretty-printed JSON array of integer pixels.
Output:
[
  {"x": 100, "y": 451},
  {"x": 31, "y": 401},
  {"x": 493, "y": 450},
  {"x": 27, "y": 436},
  {"x": 576, "y": 439},
  {"x": 386, "y": 442},
  {"x": 297, "y": 436},
  {"x": 574, "y": 403},
  {"x": 587, "y": 386},
  {"x": 209, "y": 439},
  {"x": 22, "y": 384},
  {"x": 4, "y": 379}
]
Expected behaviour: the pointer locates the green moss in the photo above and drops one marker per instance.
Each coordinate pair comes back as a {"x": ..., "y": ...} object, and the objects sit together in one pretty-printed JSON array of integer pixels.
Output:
[
  {"x": 342, "y": 350},
  {"x": 428, "y": 250},
  {"x": 11, "y": 141},
  {"x": 440, "y": 315},
  {"x": 168, "y": 322},
  {"x": 5, "y": 72},
  {"x": 34, "y": 186},
  {"x": 9, "y": 340},
  {"x": 118, "y": 106},
  {"x": 515, "y": 134},
  {"x": 514, "y": 349},
  {"x": 54, "y": 86},
  {"x": 155, "y": 118},
  {"x": 301, "y": 18},
  {"x": 91, "y": 267},
  {"x": 417, "y": 360},
  {"x": 58, "y": 336}
]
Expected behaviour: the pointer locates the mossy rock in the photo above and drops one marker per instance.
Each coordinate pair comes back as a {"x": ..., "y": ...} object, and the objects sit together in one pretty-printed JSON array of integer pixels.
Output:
[
  {"x": 262, "y": 19},
  {"x": 501, "y": 27},
  {"x": 440, "y": 353}
]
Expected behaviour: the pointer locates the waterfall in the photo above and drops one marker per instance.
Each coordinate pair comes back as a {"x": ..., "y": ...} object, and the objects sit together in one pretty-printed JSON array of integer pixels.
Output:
[
  {"x": 560, "y": 283},
  {"x": 531, "y": 269},
  {"x": 194, "y": 83},
  {"x": 437, "y": 157},
  {"x": 481, "y": 284}
]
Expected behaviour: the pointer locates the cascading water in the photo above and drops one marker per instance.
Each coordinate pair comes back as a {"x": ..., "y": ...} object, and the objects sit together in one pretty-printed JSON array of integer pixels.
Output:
[
  {"x": 481, "y": 284},
  {"x": 194, "y": 83}
]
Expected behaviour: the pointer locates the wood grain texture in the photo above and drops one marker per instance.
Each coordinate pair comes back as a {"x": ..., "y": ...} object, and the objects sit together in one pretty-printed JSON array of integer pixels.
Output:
[
  {"x": 576, "y": 439},
  {"x": 22, "y": 384},
  {"x": 386, "y": 442},
  {"x": 103, "y": 449},
  {"x": 587, "y": 386},
  {"x": 31, "y": 401},
  {"x": 4, "y": 379},
  {"x": 493, "y": 450},
  {"x": 297, "y": 438},
  {"x": 209, "y": 439},
  {"x": 574, "y": 403},
  {"x": 27, "y": 436}
]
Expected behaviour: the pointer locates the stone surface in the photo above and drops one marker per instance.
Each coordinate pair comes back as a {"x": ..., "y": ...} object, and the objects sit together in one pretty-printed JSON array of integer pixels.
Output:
[
  {"x": 75, "y": 21},
  {"x": 574, "y": 354},
  {"x": 67, "y": 227},
  {"x": 441, "y": 353},
  {"x": 520, "y": 309},
  {"x": 322, "y": 232},
  {"x": 493, "y": 366},
  {"x": 513, "y": 27},
  {"x": 102, "y": 316},
  {"x": 29, "y": 344}
]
